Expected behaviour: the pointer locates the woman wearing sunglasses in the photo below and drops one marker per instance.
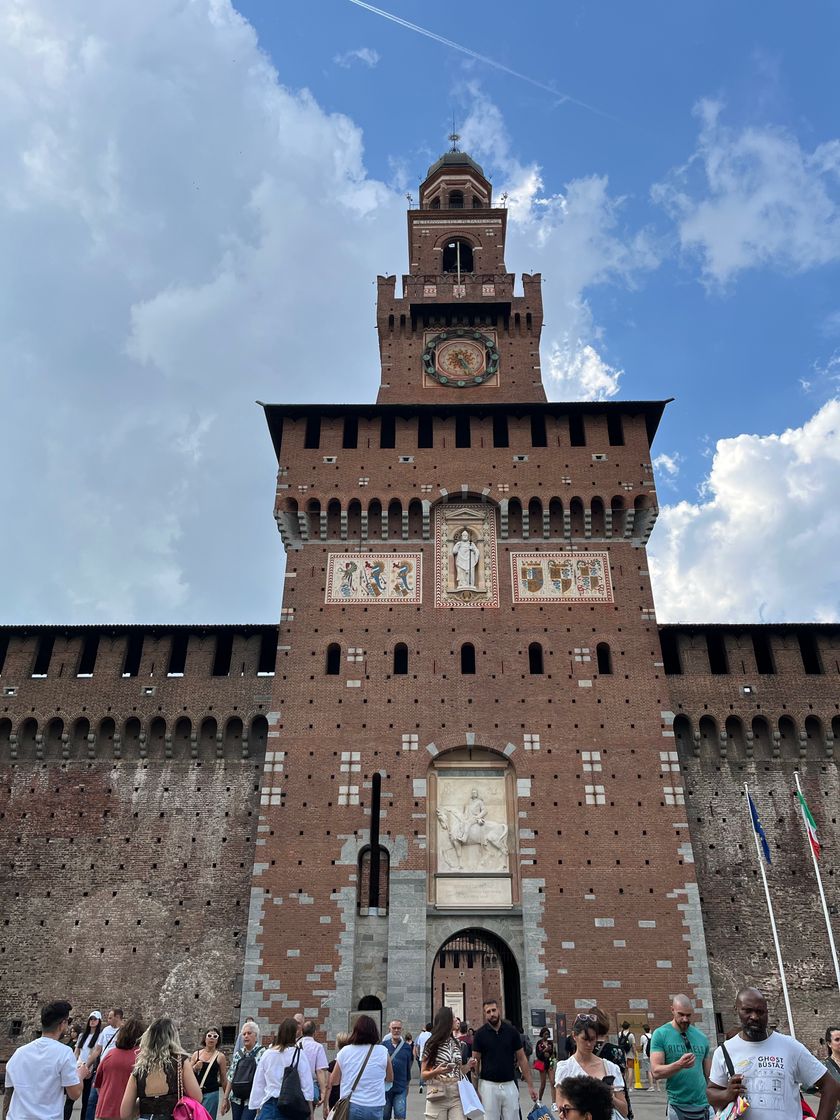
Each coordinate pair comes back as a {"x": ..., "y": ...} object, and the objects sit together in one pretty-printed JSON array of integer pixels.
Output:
[
  {"x": 583, "y": 1098},
  {"x": 586, "y": 1063}
]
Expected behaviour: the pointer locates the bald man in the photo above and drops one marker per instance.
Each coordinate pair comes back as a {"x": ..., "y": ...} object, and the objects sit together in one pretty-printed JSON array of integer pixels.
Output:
[
  {"x": 679, "y": 1056},
  {"x": 768, "y": 1068}
]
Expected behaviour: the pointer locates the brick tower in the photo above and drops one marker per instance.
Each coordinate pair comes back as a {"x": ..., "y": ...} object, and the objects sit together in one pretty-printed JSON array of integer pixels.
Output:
[{"x": 470, "y": 786}]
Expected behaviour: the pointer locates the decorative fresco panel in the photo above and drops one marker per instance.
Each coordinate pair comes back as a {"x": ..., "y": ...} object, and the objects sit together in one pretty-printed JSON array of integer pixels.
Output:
[
  {"x": 566, "y": 577},
  {"x": 466, "y": 570},
  {"x": 374, "y": 577}
]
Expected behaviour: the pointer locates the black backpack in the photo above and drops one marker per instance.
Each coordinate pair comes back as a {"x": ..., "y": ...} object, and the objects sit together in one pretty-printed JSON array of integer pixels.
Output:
[
  {"x": 243, "y": 1077},
  {"x": 291, "y": 1102},
  {"x": 624, "y": 1042}
]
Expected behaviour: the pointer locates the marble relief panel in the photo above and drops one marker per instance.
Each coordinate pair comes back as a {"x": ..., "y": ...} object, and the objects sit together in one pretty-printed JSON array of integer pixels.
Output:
[
  {"x": 567, "y": 577},
  {"x": 374, "y": 577},
  {"x": 466, "y": 569}
]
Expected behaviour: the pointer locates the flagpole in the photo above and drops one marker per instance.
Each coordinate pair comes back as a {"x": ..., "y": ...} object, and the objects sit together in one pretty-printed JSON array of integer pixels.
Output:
[
  {"x": 819, "y": 884},
  {"x": 772, "y": 918}
]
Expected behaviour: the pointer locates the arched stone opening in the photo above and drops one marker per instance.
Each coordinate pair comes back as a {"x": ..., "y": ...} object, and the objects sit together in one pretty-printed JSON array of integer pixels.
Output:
[{"x": 474, "y": 965}]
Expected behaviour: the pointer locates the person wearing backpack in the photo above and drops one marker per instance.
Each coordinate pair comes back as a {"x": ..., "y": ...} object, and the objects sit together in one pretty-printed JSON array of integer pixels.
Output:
[
  {"x": 240, "y": 1077},
  {"x": 283, "y": 1088}
]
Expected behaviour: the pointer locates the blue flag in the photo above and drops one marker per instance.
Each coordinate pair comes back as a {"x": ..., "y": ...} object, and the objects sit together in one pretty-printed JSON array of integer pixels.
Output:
[{"x": 759, "y": 831}]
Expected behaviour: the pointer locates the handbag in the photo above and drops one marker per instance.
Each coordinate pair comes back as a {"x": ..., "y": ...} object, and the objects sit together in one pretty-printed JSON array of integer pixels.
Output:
[
  {"x": 470, "y": 1100},
  {"x": 290, "y": 1100},
  {"x": 185, "y": 1107},
  {"x": 739, "y": 1106},
  {"x": 206, "y": 1071},
  {"x": 341, "y": 1108}
]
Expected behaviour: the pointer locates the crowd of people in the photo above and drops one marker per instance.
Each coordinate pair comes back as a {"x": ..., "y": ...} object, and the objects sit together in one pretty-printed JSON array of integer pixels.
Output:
[{"x": 121, "y": 1069}]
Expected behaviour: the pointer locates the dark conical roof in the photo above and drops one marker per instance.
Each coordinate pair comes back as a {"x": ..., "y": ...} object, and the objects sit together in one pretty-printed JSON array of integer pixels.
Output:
[{"x": 455, "y": 158}]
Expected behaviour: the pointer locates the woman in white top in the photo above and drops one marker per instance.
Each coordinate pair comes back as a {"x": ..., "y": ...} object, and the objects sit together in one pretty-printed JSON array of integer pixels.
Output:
[
  {"x": 368, "y": 1098},
  {"x": 586, "y": 1063},
  {"x": 268, "y": 1078}
]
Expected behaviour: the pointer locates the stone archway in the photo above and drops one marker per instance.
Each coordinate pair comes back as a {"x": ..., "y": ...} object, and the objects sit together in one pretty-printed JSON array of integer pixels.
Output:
[{"x": 473, "y": 965}]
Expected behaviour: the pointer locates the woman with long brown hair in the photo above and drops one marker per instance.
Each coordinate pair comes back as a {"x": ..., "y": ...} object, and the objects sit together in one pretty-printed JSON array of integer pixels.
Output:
[
  {"x": 268, "y": 1080},
  {"x": 442, "y": 1069}
]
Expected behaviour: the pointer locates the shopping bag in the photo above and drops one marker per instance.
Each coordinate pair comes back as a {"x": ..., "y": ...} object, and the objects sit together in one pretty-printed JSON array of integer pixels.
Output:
[{"x": 470, "y": 1101}]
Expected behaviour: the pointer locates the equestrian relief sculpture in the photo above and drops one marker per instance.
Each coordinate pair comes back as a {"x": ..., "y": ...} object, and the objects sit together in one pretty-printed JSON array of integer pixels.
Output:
[{"x": 474, "y": 841}]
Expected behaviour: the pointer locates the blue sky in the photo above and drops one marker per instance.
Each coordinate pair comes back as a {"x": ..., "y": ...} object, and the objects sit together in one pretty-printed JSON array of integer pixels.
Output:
[{"x": 181, "y": 185}]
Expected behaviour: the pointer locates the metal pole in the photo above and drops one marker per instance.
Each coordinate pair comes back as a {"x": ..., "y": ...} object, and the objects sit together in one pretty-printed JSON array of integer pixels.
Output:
[
  {"x": 820, "y": 886},
  {"x": 760, "y": 856}
]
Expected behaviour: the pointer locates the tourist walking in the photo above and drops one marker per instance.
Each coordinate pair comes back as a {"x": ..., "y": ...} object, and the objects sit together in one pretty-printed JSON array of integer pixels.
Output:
[
  {"x": 583, "y": 1097},
  {"x": 113, "y": 1022},
  {"x": 497, "y": 1048},
  {"x": 114, "y": 1069},
  {"x": 586, "y": 1063},
  {"x": 644, "y": 1060},
  {"x": 545, "y": 1058},
  {"x": 85, "y": 1046},
  {"x": 420, "y": 1045},
  {"x": 162, "y": 1074},
  {"x": 268, "y": 1079},
  {"x": 41, "y": 1075},
  {"x": 362, "y": 1069},
  {"x": 442, "y": 1069},
  {"x": 767, "y": 1068},
  {"x": 210, "y": 1069},
  {"x": 613, "y": 1052},
  {"x": 402, "y": 1059},
  {"x": 316, "y": 1055},
  {"x": 679, "y": 1056},
  {"x": 243, "y": 1069}
]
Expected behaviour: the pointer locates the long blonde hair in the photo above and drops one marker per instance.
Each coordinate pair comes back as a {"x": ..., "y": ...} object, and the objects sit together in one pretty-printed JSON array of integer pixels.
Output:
[{"x": 160, "y": 1048}]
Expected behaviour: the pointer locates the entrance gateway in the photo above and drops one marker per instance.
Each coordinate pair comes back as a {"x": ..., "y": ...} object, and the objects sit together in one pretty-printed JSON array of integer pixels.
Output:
[{"x": 474, "y": 966}]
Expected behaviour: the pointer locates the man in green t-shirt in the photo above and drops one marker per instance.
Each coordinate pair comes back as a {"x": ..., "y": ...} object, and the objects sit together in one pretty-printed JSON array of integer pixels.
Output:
[{"x": 679, "y": 1056}]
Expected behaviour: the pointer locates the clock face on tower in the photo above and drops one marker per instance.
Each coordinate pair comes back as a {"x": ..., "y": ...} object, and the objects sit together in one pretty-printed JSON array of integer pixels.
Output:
[{"x": 460, "y": 357}]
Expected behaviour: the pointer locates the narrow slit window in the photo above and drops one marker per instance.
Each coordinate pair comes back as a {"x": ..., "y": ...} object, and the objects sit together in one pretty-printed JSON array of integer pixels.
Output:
[
  {"x": 535, "y": 659},
  {"x": 577, "y": 431},
  {"x": 602, "y": 652},
  {"x": 43, "y": 654},
  {"x": 87, "y": 661},
  {"x": 178, "y": 654},
  {"x": 268, "y": 653},
  {"x": 462, "y": 429},
  {"x": 350, "y": 437},
  {"x": 133, "y": 655},
  {"x": 615, "y": 429},
  {"x": 312, "y": 437},
  {"x": 387, "y": 432},
  {"x": 716, "y": 647},
  {"x": 810, "y": 653},
  {"x": 468, "y": 659},
  {"x": 500, "y": 431},
  {"x": 538, "y": 434},
  {"x": 670, "y": 653},
  {"x": 400, "y": 659},
  {"x": 425, "y": 431},
  {"x": 763, "y": 651},
  {"x": 333, "y": 662}
]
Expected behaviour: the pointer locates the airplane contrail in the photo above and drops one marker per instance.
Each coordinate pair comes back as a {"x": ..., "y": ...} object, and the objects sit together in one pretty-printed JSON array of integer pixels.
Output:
[{"x": 479, "y": 57}]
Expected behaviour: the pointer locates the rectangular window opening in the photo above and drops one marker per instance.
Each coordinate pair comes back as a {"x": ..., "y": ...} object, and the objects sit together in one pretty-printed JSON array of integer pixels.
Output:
[
  {"x": 538, "y": 434},
  {"x": 133, "y": 655},
  {"x": 763, "y": 653},
  {"x": 716, "y": 648},
  {"x": 670, "y": 653},
  {"x": 43, "y": 654},
  {"x": 809, "y": 650},
  {"x": 462, "y": 430},
  {"x": 178, "y": 654},
  {"x": 615, "y": 429},
  {"x": 577, "y": 431},
  {"x": 425, "y": 432},
  {"x": 223, "y": 654},
  {"x": 268, "y": 653},
  {"x": 387, "y": 432},
  {"x": 4, "y": 649},
  {"x": 350, "y": 438},
  {"x": 312, "y": 439},
  {"x": 500, "y": 431},
  {"x": 87, "y": 661}
]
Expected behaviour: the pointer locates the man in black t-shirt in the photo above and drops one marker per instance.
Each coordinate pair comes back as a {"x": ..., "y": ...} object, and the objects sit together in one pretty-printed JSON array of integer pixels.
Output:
[{"x": 497, "y": 1047}]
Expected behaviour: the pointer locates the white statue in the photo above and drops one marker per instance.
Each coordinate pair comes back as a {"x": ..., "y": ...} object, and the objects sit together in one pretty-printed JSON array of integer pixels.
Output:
[
  {"x": 470, "y": 831},
  {"x": 465, "y": 551}
]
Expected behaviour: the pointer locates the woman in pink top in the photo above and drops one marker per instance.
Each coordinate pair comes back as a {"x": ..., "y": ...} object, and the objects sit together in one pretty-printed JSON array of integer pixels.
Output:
[{"x": 115, "y": 1068}]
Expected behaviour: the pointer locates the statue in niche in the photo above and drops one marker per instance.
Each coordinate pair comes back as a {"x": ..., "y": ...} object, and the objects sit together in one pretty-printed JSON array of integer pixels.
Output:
[
  {"x": 471, "y": 834},
  {"x": 466, "y": 554}
]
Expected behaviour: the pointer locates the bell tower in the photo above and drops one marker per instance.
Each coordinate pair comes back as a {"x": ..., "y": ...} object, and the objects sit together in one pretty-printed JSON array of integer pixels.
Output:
[{"x": 458, "y": 333}]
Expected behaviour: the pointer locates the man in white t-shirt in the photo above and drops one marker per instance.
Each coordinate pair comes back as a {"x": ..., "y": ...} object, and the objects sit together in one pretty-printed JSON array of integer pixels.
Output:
[
  {"x": 420, "y": 1045},
  {"x": 768, "y": 1068},
  {"x": 40, "y": 1073},
  {"x": 316, "y": 1055}
]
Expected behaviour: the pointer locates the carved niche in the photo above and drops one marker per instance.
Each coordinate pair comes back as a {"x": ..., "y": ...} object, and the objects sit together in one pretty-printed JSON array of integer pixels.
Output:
[{"x": 466, "y": 570}]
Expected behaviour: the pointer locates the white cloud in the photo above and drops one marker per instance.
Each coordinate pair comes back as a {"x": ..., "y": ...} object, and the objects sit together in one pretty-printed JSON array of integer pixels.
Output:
[
  {"x": 762, "y": 541},
  {"x": 175, "y": 216},
  {"x": 366, "y": 55},
  {"x": 575, "y": 238},
  {"x": 754, "y": 197},
  {"x": 667, "y": 467}
]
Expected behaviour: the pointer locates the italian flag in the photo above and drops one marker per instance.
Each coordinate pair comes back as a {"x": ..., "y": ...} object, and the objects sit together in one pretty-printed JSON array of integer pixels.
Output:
[{"x": 810, "y": 824}]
